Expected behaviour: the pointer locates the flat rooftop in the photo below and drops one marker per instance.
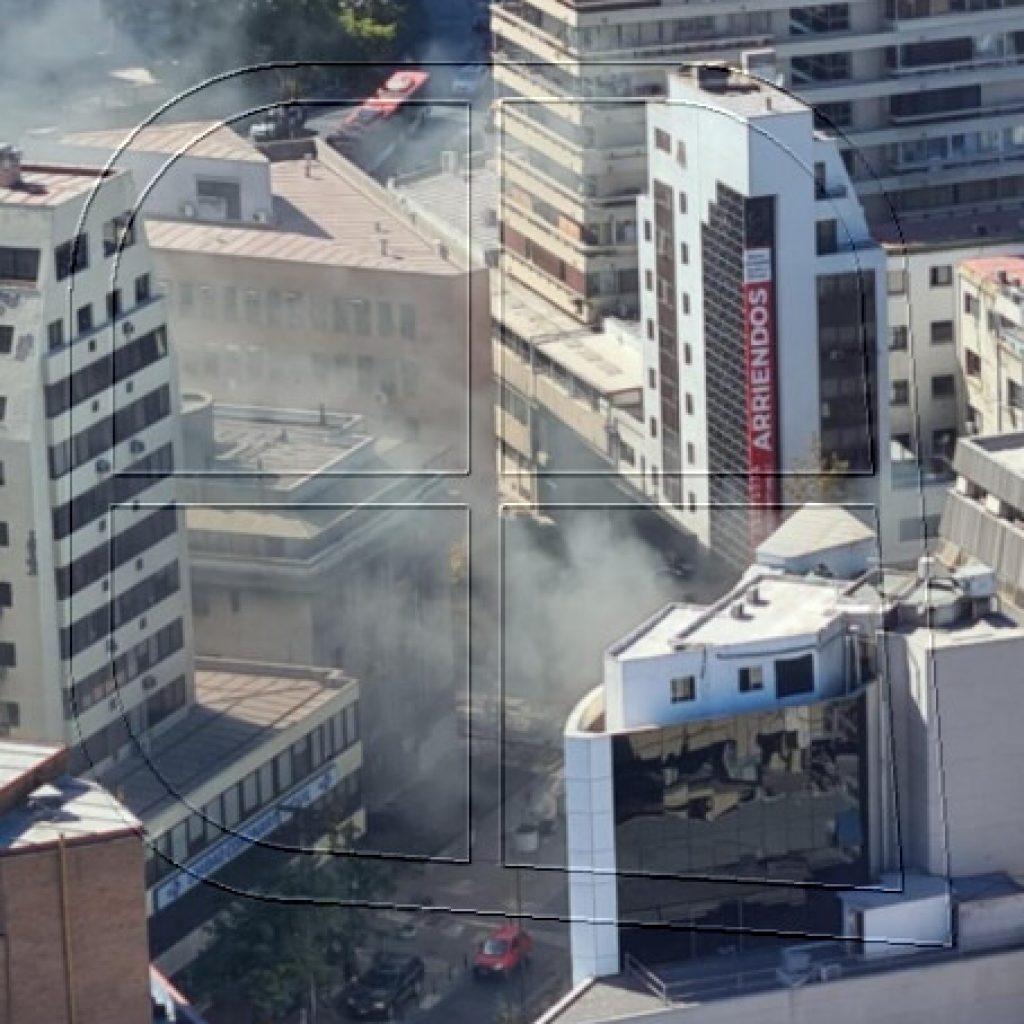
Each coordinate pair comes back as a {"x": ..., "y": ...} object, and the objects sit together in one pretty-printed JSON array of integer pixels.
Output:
[
  {"x": 328, "y": 218},
  {"x": 527, "y": 315},
  {"x": 607, "y": 365},
  {"x": 236, "y": 711},
  {"x": 50, "y": 185},
  {"x": 209, "y": 139},
  {"x": 741, "y": 94},
  {"x": 992, "y": 268},
  {"x": 814, "y": 528},
  {"x": 1007, "y": 450},
  {"x": 787, "y": 606},
  {"x": 43, "y": 804}
]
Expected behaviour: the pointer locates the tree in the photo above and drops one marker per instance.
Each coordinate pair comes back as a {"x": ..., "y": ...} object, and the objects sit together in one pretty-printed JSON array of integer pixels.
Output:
[
  {"x": 278, "y": 951},
  {"x": 816, "y": 477}
]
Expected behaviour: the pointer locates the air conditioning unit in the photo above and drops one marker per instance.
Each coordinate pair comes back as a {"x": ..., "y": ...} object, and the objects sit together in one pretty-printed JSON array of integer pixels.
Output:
[
  {"x": 102, "y": 466},
  {"x": 128, "y": 328},
  {"x": 136, "y": 446},
  {"x": 148, "y": 682},
  {"x": 188, "y": 210},
  {"x": 261, "y": 216}
]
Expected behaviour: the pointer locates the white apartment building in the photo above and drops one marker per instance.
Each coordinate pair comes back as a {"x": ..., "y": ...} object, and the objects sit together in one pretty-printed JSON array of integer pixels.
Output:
[
  {"x": 762, "y": 296},
  {"x": 902, "y": 83},
  {"x": 990, "y": 345},
  {"x": 95, "y": 583}
]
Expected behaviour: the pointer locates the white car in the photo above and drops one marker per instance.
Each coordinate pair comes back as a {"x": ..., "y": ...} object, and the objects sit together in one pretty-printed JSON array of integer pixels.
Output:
[{"x": 469, "y": 80}]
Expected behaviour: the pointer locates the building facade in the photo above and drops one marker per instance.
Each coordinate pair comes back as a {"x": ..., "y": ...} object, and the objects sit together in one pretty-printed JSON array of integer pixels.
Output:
[
  {"x": 901, "y": 84},
  {"x": 96, "y": 583},
  {"x": 761, "y": 300}
]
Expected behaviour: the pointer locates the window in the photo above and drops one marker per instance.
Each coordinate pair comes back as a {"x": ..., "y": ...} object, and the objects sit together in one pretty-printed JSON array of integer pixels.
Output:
[
  {"x": 682, "y": 202},
  {"x": 8, "y": 656},
  {"x": 6, "y": 339},
  {"x": 683, "y": 688},
  {"x": 662, "y": 140},
  {"x": 143, "y": 289},
  {"x": 687, "y": 353},
  {"x": 55, "y": 334},
  {"x": 898, "y": 337},
  {"x": 821, "y": 67},
  {"x": 652, "y": 378},
  {"x": 691, "y": 454},
  {"x": 407, "y": 321},
  {"x": 114, "y": 304},
  {"x": 650, "y": 329},
  {"x": 972, "y": 363},
  {"x": 250, "y": 793},
  {"x": 361, "y": 316},
  {"x": 943, "y": 442},
  {"x": 71, "y": 257},
  {"x": 692, "y": 498},
  {"x": 84, "y": 318},
  {"x": 647, "y": 230},
  {"x": 5, "y": 535},
  {"x": 689, "y": 404},
  {"x": 794, "y": 676},
  {"x": 684, "y": 252},
  {"x": 826, "y": 237},
  {"x": 686, "y": 303},
  {"x": 830, "y": 116},
  {"x": 970, "y": 304},
  {"x": 943, "y": 386},
  {"x": 219, "y": 200},
  {"x": 19, "y": 264},
  {"x": 681, "y": 153},
  {"x": 751, "y": 679},
  {"x": 1014, "y": 395},
  {"x": 654, "y": 427},
  {"x": 940, "y": 277},
  {"x": 900, "y": 394},
  {"x": 941, "y": 332},
  {"x": 896, "y": 282},
  {"x": 649, "y": 279},
  {"x": 119, "y": 231}
]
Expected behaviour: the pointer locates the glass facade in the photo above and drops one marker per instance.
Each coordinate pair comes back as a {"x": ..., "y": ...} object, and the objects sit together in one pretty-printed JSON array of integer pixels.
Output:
[{"x": 714, "y": 817}]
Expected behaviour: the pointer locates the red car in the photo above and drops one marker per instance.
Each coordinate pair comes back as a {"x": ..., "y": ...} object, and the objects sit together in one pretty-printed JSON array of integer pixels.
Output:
[{"x": 503, "y": 952}]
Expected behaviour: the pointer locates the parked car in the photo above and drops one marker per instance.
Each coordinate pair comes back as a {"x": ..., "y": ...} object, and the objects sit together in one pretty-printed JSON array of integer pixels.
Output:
[
  {"x": 468, "y": 81},
  {"x": 506, "y": 950},
  {"x": 393, "y": 981}
]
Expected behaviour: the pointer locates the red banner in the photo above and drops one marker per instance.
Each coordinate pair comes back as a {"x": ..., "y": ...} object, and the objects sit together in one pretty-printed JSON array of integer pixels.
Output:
[{"x": 762, "y": 390}]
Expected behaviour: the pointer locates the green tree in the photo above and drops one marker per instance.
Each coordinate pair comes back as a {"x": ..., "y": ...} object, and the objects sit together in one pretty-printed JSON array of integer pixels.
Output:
[
  {"x": 286, "y": 948},
  {"x": 816, "y": 478}
]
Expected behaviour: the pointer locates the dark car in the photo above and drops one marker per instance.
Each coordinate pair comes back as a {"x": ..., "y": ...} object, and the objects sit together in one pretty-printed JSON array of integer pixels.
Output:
[{"x": 393, "y": 981}]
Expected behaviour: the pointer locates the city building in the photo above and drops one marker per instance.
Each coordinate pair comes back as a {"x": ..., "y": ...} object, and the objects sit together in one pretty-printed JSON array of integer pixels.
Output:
[
  {"x": 990, "y": 345},
  {"x": 96, "y": 635},
  {"x": 984, "y": 513},
  {"x": 925, "y": 257},
  {"x": 265, "y": 763},
  {"x": 302, "y": 282},
  {"x": 761, "y": 305},
  {"x": 901, "y": 84},
  {"x": 95, "y": 581},
  {"x": 73, "y": 911},
  {"x": 307, "y": 549},
  {"x": 782, "y": 788}
]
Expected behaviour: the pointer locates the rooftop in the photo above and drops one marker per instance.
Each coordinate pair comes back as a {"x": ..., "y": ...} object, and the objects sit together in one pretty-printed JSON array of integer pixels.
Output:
[
  {"x": 331, "y": 217},
  {"x": 995, "y": 267},
  {"x": 743, "y": 94},
  {"x": 209, "y": 139},
  {"x": 50, "y": 185},
  {"x": 814, "y": 528},
  {"x": 42, "y": 805},
  {"x": 238, "y": 708},
  {"x": 786, "y": 606},
  {"x": 1007, "y": 450}
]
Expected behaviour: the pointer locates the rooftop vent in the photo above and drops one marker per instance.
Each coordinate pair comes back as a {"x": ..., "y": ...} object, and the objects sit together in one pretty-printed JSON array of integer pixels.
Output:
[
  {"x": 10, "y": 166},
  {"x": 45, "y": 801},
  {"x": 737, "y": 611}
]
